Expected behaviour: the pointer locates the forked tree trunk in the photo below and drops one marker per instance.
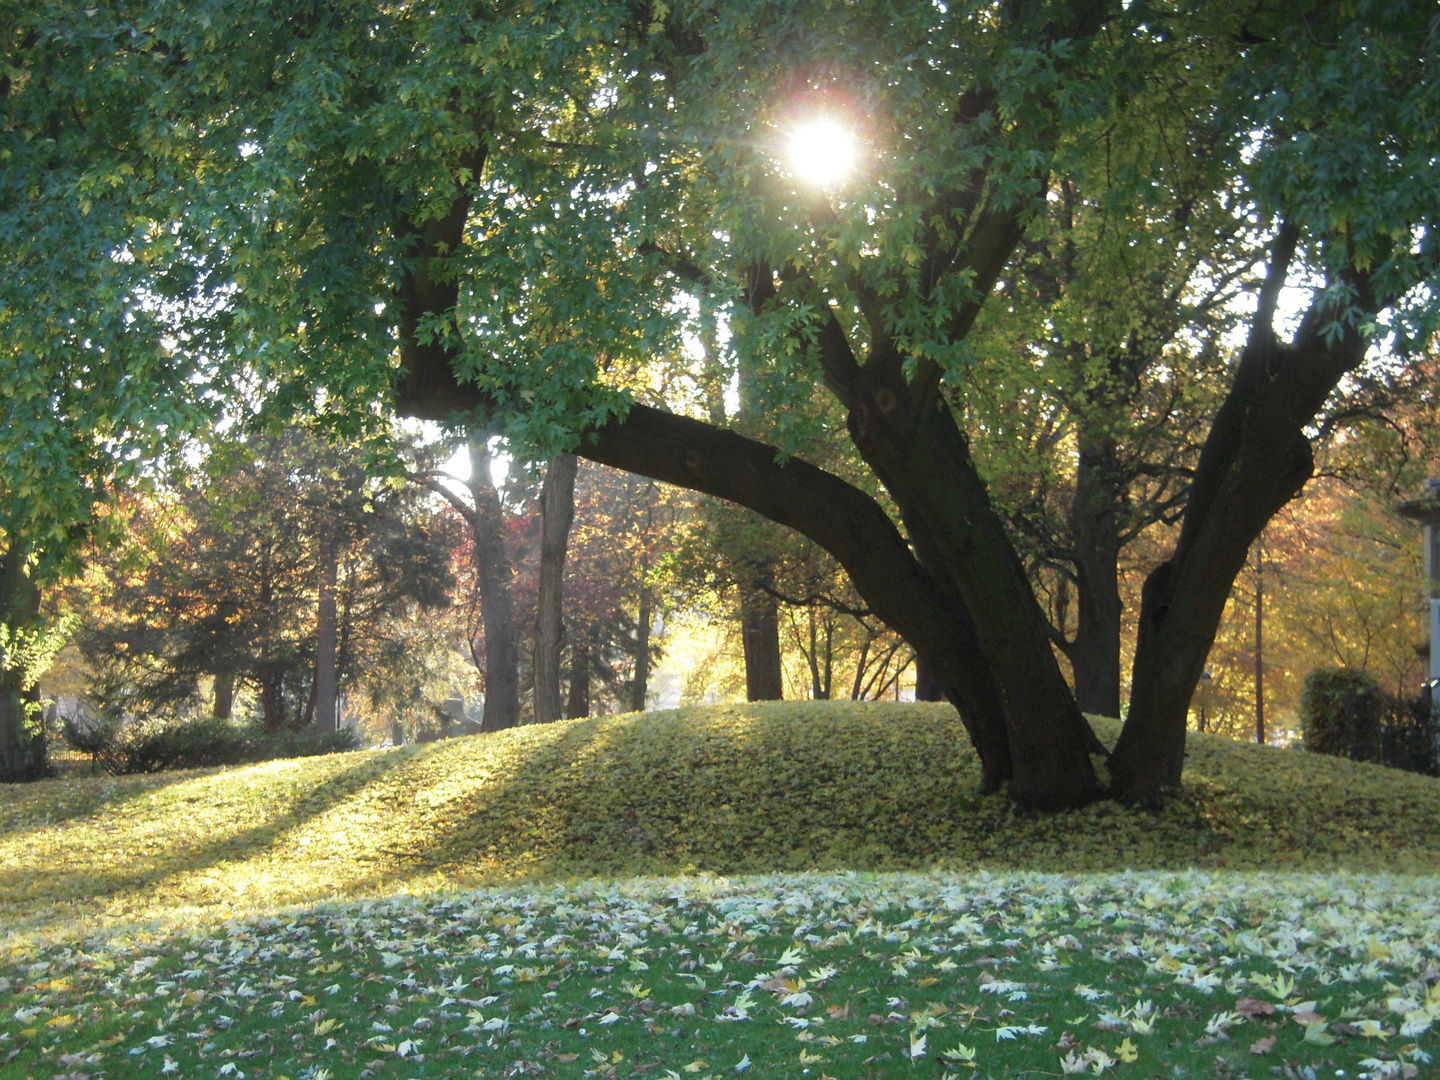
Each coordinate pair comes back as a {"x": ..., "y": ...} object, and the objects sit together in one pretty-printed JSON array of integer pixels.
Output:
[
  {"x": 557, "y": 512},
  {"x": 1256, "y": 458}
]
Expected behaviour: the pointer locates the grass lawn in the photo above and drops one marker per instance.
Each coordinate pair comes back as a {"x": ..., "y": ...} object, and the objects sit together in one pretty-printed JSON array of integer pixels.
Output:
[{"x": 776, "y": 891}]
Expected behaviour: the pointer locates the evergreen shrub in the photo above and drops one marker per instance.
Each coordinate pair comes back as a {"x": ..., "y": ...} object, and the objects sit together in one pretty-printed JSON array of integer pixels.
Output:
[
  {"x": 161, "y": 743},
  {"x": 1345, "y": 713}
]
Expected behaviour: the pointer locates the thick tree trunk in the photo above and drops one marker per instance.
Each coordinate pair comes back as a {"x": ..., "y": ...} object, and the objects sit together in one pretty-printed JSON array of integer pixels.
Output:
[
  {"x": 760, "y": 636},
  {"x": 577, "y": 706},
  {"x": 224, "y": 701},
  {"x": 1094, "y": 653},
  {"x": 1256, "y": 458},
  {"x": 922, "y": 458},
  {"x": 927, "y": 685},
  {"x": 22, "y": 741},
  {"x": 492, "y": 568},
  {"x": 557, "y": 511},
  {"x": 326, "y": 642}
]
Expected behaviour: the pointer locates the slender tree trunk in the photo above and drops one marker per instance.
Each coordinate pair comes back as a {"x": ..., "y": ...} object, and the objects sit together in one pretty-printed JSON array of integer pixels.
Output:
[
  {"x": 224, "y": 695},
  {"x": 640, "y": 687},
  {"x": 760, "y": 634},
  {"x": 492, "y": 568},
  {"x": 1260, "y": 639},
  {"x": 326, "y": 643},
  {"x": 1094, "y": 653},
  {"x": 557, "y": 512},
  {"x": 577, "y": 707},
  {"x": 819, "y": 685},
  {"x": 22, "y": 740}
]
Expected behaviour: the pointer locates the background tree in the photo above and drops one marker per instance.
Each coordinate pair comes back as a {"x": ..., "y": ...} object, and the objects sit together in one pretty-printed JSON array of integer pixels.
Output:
[
  {"x": 226, "y": 580},
  {"x": 557, "y": 513},
  {"x": 491, "y": 631}
]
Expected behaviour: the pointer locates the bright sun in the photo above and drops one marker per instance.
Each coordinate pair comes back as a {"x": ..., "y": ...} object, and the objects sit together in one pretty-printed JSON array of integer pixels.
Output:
[{"x": 822, "y": 152}]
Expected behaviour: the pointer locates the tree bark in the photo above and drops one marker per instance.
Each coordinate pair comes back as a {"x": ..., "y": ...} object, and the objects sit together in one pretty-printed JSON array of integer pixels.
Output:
[
  {"x": 22, "y": 741},
  {"x": 557, "y": 512},
  {"x": 760, "y": 635},
  {"x": 1094, "y": 653},
  {"x": 326, "y": 636},
  {"x": 492, "y": 568}
]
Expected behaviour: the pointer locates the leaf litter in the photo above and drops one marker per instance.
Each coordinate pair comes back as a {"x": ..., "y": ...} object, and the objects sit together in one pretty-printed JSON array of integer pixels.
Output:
[{"x": 807, "y": 975}]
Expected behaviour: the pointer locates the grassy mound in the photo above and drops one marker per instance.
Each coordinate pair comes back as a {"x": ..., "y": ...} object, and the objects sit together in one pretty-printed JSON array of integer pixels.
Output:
[{"x": 729, "y": 789}]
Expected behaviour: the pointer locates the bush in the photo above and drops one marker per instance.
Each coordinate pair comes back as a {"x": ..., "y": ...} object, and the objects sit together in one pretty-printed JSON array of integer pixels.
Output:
[
  {"x": 158, "y": 744},
  {"x": 1409, "y": 735},
  {"x": 1341, "y": 711},
  {"x": 1346, "y": 714}
]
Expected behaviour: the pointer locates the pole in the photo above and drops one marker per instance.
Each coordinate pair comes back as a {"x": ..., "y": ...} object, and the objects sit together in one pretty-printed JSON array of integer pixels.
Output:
[
  {"x": 1425, "y": 511},
  {"x": 1260, "y": 640}
]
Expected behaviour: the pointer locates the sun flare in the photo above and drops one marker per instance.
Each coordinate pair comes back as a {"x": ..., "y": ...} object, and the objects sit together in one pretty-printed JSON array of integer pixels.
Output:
[{"x": 822, "y": 152}]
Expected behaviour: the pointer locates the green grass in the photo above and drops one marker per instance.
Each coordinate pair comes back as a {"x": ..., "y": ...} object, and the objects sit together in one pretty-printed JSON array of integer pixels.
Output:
[{"x": 480, "y": 899}]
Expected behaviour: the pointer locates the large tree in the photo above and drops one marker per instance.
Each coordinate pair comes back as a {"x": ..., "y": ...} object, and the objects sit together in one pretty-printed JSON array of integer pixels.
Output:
[{"x": 535, "y": 204}]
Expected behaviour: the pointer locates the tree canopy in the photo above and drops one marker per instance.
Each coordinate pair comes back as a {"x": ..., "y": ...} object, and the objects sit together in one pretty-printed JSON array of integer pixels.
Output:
[{"x": 573, "y": 222}]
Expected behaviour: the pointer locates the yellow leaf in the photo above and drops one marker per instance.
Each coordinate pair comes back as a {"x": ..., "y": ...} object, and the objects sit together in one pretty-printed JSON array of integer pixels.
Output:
[
  {"x": 1127, "y": 1052},
  {"x": 695, "y": 1066}
]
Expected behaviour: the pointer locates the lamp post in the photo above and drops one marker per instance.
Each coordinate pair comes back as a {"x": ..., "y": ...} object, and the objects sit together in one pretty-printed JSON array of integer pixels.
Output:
[{"x": 1426, "y": 511}]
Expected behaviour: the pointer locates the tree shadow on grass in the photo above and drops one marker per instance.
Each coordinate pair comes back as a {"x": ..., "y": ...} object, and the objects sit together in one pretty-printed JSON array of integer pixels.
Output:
[
  {"x": 751, "y": 790},
  {"x": 56, "y": 800},
  {"x": 61, "y": 881}
]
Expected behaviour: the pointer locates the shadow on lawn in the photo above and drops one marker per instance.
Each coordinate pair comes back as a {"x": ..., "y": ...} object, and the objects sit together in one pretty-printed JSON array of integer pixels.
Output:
[
  {"x": 58, "y": 800},
  {"x": 60, "y": 882},
  {"x": 755, "y": 793}
]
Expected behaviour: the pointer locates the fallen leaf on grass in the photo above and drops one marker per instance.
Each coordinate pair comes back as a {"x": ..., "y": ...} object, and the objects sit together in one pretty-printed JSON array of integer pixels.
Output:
[
  {"x": 1250, "y": 1008},
  {"x": 1263, "y": 1046}
]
